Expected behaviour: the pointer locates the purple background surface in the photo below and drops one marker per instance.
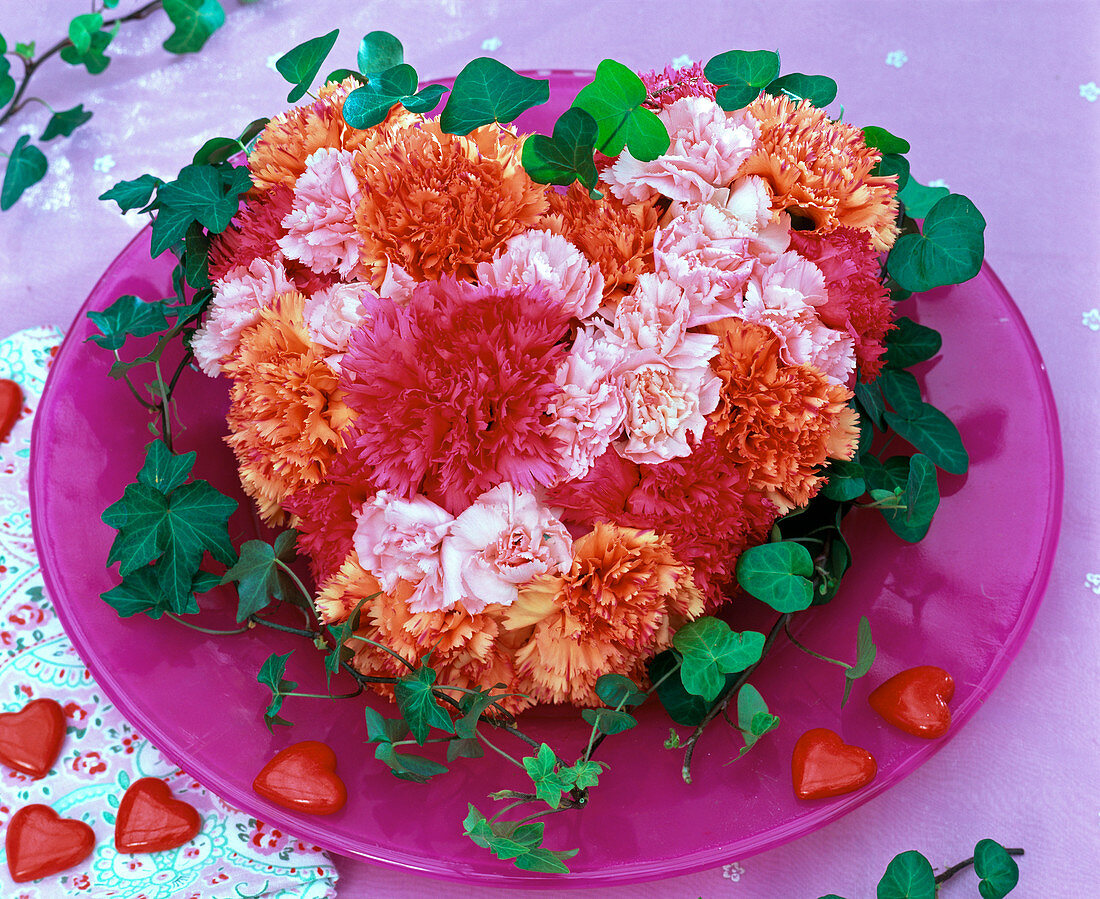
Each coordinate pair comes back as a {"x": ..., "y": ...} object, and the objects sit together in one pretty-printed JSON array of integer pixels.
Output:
[{"x": 998, "y": 99}]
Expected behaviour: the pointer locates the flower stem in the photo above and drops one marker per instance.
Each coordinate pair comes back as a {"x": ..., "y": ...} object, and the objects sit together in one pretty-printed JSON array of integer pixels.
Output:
[
  {"x": 207, "y": 630},
  {"x": 327, "y": 695},
  {"x": 955, "y": 869}
]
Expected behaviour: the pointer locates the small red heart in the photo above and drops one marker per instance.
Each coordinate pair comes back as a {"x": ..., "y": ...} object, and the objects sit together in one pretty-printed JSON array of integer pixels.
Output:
[
  {"x": 40, "y": 843},
  {"x": 915, "y": 700},
  {"x": 31, "y": 738},
  {"x": 11, "y": 405},
  {"x": 151, "y": 820},
  {"x": 823, "y": 765},
  {"x": 303, "y": 778}
]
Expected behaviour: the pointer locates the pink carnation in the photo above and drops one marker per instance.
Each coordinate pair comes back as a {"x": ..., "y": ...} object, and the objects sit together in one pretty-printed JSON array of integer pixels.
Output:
[
  {"x": 398, "y": 539},
  {"x": 654, "y": 315},
  {"x": 783, "y": 299},
  {"x": 321, "y": 228},
  {"x": 502, "y": 541},
  {"x": 238, "y": 299},
  {"x": 664, "y": 407},
  {"x": 255, "y": 231},
  {"x": 590, "y": 407},
  {"x": 707, "y": 148},
  {"x": 665, "y": 88},
  {"x": 540, "y": 258}
]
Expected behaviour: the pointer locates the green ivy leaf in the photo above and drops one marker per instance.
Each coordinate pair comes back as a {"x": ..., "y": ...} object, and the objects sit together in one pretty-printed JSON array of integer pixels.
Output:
[
  {"x": 384, "y": 730},
  {"x": 93, "y": 59},
  {"x": 7, "y": 83},
  {"x": 369, "y": 105},
  {"x": 583, "y": 775},
  {"x": 909, "y": 343},
  {"x": 406, "y": 766},
  {"x": 62, "y": 124},
  {"x": 908, "y": 876},
  {"x": 271, "y": 675},
  {"x": 883, "y": 141},
  {"x": 127, "y": 316},
  {"x": 169, "y": 227},
  {"x": 617, "y": 690},
  {"x": 866, "y": 652},
  {"x": 709, "y": 650},
  {"x": 418, "y": 705},
  {"x": 778, "y": 574},
  {"x": 196, "y": 250},
  {"x": 338, "y": 75},
  {"x": 195, "y": 21},
  {"x": 545, "y": 861},
  {"x": 164, "y": 470},
  {"x": 141, "y": 592},
  {"x": 609, "y": 721},
  {"x": 921, "y": 498},
  {"x": 932, "y": 433},
  {"x": 614, "y": 100},
  {"x": 426, "y": 100},
  {"x": 549, "y": 784},
  {"x": 820, "y": 90},
  {"x": 681, "y": 706},
  {"x": 753, "y": 718},
  {"x": 465, "y": 748},
  {"x": 949, "y": 250},
  {"x": 206, "y": 194},
  {"x": 340, "y": 635},
  {"x": 870, "y": 401},
  {"x": 216, "y": 150},
  {"x": 890, "y": 475},
  {"x": 300, "y": 65},
  {"x": 81, "y": 29},
  {"x": 25, "y": 50},
  {"x": 997, "y": 869},
  {"x": 901, "y": 390},
  {"x": 259, "y": 578},
  {"x": 132, "y": 194},
  {"x": 567, "y": 156},
  {"x": 472, "y": 706},
  {"x": 741, "y": 75},
  {"x": 919, "y": 199},
  {"x": 893, "y": 164},
  {"x": 512, "y": 840},
  {"x": 488, "y": 91},
  {"x": 379, "y": 51},
  {"x": 26, "y": 166},
  {"x": 845, "y": 481}
]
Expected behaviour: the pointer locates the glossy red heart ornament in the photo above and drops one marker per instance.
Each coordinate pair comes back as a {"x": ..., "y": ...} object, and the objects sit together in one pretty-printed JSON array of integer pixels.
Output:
[
  {"x": 303, "y": 778},
  {"x": 31, "y": 738},
  {"x": 40, "y": 843},
  {"x": 11, "y": 405},
  {"x": 151, "y": 820},
  {"x": 823, "y": 765},
  {"x": 915, "y": 700}
]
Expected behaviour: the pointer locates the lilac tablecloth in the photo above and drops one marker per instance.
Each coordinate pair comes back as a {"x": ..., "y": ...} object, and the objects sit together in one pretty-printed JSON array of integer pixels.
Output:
[{"x": 1000, "y": 101}]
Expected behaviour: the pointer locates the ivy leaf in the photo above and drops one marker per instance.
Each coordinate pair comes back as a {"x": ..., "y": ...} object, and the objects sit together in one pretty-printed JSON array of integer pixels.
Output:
[
  {"x": 511, "y": 840},
  {"x": 919, "y": 199},
  {"x": 909, "y": 343},
  {"x": 583, "y": 774},
  {"x": 300, "y": 65},
  {"x": 26, "y": 166},
  {"x": 741, "y": 75},
  {"x": 545, "y": 861},
  {"x": 949, "y": 249},
  {"x": 893, "y": 164},
  {"x": 169, "y": 227},
  {"x": 25, "y": 50},
  {"x": 997, "y": 869},
  {"x": 93, "y": 59},
  {"x": 215, "y": 150},
  {"x": 901, "y": 390},
  {"x": 614, "y": 100},
  {"x": 890, "y": 475},
  {"x": 567, "y": 156},
  {"x": 406, "y": 766},
  {"x": 426, "y": 100},
  {"x": 934, "y": 434},
  {"x": 206, "y": 194},
  {"x": 464, "y": 747},
  {"x": 384, "y": 730},
  {"x": 62, "y": 124},
  {"x": 338, "y": 75},
  {"x": 883, "y": 141},
  {"x": 549, "y": 784},
  {"x": 921, "y": 498},
  {"x": 195, "y": 21},
  {"x": 196, "y": 249},
  {"x": 908, "y": 876},
  {"x": 472, "y": 705},
  {"x": 753, "y": 718},
  {"x": 617, "y": 690},
  {"x": 81, "y": 30},
  {"x": 820, "y": 90},
  {"x": 7, "y": 83},
  {"x": 870, "y": 401},
  {"x": 259, "y": 578},
  {"x": 709, "y": 650},
  {"x": 369, "y": 105},
  {"x": 164, "y": 470},
  {"x": 681, "y": 706},
  {"x": 271, "y": 675},
  {"x": 845, "y": 481},
  {"x": 488, "y": 91},
  {"x": 418, "y": 705},
  {"x": 340, "y": 635},
  {"x": 379, "y": 51},
  {"x": 132, "y": 194},
  {"x": 141, "y": 591},
  {"x": 866, "y": 651},
  {"x": 609, "y": 721},
  {"x": 127, "y": 316},
  {"x": 778, "y": 574}
]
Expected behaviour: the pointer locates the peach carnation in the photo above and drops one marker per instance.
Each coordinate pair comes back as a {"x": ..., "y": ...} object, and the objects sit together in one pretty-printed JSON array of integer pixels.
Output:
[
  {"x": 287, "y": 413},
  {"x": 539, "y": 258},
  {"x": 708, "y": 146},
  {"x": 820, "y": 170},
  {"x": 438, "y": 204},
  {"x": 617, "y": 605}
]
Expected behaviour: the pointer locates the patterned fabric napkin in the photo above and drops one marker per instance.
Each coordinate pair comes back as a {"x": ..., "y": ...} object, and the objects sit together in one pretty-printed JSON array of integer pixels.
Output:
[{"x": 233, "y": 855}]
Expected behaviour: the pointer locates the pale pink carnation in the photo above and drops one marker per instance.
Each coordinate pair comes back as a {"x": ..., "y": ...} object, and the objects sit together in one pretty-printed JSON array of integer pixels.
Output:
[
  {"x": 664, "y": 406},
  {"x": 321, "y": 230},
  {"x": 333, "y": 313},
  {"x": 654, "y": 315},
  {"x": 502, "y": 541},
  {"x": 238, "y": 299},
  {"x": 399, "y": 540},
  {"x": 397, "y": 285},
  {"x": 707, "y": 147},
  {"x": 589, "y": 410},
  {"x": 539, "y": 258},
  {"x": 783, "y": 298}
]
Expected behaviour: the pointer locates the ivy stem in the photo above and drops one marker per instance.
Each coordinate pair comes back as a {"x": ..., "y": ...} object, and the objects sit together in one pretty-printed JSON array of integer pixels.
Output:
[
  {"x": 516, "y": 732},
  {"x": 367, "y": 678},
  {"x": 501, "y": 752},
  {"x": 810, "y": 652},
  {"x": 955, "y": 869},
  {"x": 549, "y": 811},
  {"x": 126, "y": 377},
  {"x": 165, "y": 418},
  {"x": 206, "y": 630},
  {"x": 396, "y": 655},
  {"x": 724, "y": 697},
  {"x": 507, "y": 809},
  {"x": 671, "y": 671},
  {"x": 327, "y": 695},
  {"x": 285, "y": 628}
]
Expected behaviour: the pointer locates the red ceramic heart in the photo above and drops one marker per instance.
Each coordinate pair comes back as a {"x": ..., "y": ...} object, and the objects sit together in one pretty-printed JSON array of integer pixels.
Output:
[
  {"x": 823, "y": 765},
  {"x": 915, "y": 700},
  {"x": 151, "y": 820},
  {"x": 11, "y": 404},
  {"x": 40, "y": 843},
  {"x": 303, "y": 778},
  {"x": 31, "y": 738}
]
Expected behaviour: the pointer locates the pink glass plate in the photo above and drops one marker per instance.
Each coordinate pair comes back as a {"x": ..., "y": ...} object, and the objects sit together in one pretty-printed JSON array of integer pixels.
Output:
[{"x": 962, "y": 599}]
